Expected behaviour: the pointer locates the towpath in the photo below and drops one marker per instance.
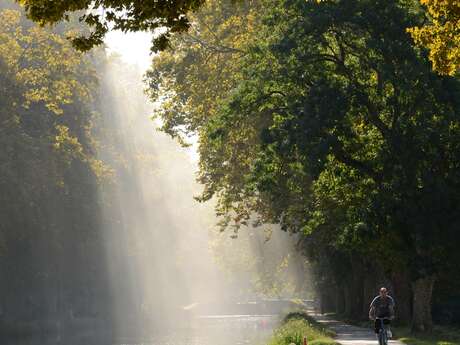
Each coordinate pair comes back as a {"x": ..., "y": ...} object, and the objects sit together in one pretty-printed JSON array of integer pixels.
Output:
[{"x": 348, "y": 334}]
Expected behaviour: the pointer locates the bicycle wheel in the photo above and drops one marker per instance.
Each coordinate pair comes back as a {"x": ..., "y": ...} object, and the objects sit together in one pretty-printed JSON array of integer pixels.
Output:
[{"x": 382, "y": 337}]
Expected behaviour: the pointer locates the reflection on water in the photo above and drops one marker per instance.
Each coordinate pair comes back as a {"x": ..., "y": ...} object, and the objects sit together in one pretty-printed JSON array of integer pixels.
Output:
[
  {"x": 206, "y": 330},
  {"x": 218, "y": 330}
]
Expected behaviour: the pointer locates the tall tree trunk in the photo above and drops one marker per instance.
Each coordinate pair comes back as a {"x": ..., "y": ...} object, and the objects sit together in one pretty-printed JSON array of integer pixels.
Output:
[
  {"x": 322, "y": 303},
  {"x": 348, "y": 298},
  {"x": 422, "y": 290},
  {"x": 369, "y": 292},
  {"x": 357, "y": 287},
  {"x": 340, "y": 301},
  {"x": 403, "y": 296}
]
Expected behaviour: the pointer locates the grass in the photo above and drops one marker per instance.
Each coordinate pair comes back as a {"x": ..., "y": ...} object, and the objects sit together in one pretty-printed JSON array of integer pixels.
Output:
[
  {"x": 296, "y": 326},
  {"x": 439, "y": 336}
]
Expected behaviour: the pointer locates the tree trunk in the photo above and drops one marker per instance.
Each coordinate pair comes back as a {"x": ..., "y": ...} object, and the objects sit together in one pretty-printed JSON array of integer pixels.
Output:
[
  {"x": 403, "y": 296},
  {"x": 369, "y": 292},
  {"x": 322, "y": 303},
  {"x": 339, "y": 301},
  {"x": 357, "y": 279},
  {"x": 422, "y": 290},
  {"x": 348, "y": 298}
]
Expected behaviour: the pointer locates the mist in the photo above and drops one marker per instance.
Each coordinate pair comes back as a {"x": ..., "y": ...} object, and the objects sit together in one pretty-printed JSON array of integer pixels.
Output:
[
  {"x": 102, "y": 241},
  {"x": 170, "y": 266}
]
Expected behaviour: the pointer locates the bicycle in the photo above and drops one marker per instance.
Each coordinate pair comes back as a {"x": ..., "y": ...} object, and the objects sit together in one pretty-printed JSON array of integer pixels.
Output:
[{"x": 383, "y": 331}]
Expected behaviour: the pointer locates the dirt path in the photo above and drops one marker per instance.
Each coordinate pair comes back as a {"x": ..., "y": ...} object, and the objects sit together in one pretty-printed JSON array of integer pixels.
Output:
[{"x": 350, "y": 335}]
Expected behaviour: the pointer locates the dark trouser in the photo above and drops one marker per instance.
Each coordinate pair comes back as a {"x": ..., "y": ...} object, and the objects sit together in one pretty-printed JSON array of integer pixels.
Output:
[{"x": 377, "y": 324}]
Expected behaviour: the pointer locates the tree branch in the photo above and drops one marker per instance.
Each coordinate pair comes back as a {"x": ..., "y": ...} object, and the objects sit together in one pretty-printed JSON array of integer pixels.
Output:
[
  {"x": 340, "y": 154},
  {"x": 215, "y": 47}
]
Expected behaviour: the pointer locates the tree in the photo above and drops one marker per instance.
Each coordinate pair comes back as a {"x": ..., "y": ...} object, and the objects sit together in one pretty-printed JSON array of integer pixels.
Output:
[
  {"x": 48, "y": 174},
  {"x": 335, "y": 106},
  {"x": 441, "y": 35},
  {"x": 102, "y": 15},
  {"x": 351, "y": 96},
  {"x": 32, "y": 57},
  {"x": 192, "y": 78}
]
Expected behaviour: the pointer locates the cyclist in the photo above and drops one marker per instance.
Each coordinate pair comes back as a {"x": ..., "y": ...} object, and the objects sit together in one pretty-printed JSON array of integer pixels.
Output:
[{"x": 382, "y": 307}]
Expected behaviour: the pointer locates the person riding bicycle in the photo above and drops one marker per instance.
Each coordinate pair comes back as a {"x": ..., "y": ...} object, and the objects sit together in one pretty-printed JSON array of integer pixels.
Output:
[{"x": 382, "y": 307}]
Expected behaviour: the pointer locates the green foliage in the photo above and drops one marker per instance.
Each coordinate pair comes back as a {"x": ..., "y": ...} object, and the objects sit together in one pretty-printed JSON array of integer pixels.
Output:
[
  {"x": 329, "y": 104},
  {"x": 43, "y": 65},
  {"x": 49, "y": 174},
  {"x": 333, "y": 126},
  {"x": 301, "y": 315},
  {"x": 439, "y": 336},
  {"x": 50, "y": 77},
  {"x": 295, "y": 327},
  {"x": 101, "y": 15},
  {"x": 191, "y": 81}
]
